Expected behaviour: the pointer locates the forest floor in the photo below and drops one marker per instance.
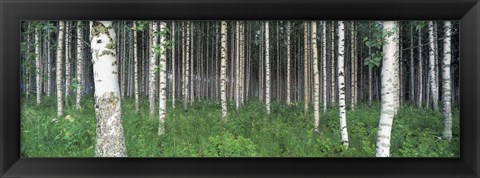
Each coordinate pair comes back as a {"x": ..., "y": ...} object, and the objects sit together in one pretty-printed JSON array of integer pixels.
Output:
[{"x": 249, "y": 132}]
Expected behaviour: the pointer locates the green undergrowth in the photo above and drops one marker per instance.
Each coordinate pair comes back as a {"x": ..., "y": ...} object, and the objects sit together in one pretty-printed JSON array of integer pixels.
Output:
[{"x": 249, "y": 132}]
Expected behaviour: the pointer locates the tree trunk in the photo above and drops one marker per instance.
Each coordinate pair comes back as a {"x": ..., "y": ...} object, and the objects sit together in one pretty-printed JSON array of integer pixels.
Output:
[
  {"x": 163, "y": 74},
  {"x": 223, "y": 72},
  {"x": 135, "y": 67},
  {"x": 60, "y": 43},
  {"x": 110, "y": 140},
  {"x": 390, "y": 49},
  {"x": 173, "y": 64},
  {"x": 67, "y": 60},
  {"x": 79, "y": 64},
  {"x": 153, "y": 61},
  {"x": 237, "y": 68},
  {"x": 447, "y": 96},
  {"x": 420, "y": 72},
  {"x": 432, "y": 72},
  {"x": 316, "y": 78},
  {"x": 341, "y": 83},
  {"x": 412, "y": 85},
  {"x": 267, "y": 68},
  {"x": 305, "y": 68},
  {"x": 288, "y": 63},
  {"x": 37, "y": 64},
  {"x": 324, "y": 65},
  {"x": 187, "y": 68}
]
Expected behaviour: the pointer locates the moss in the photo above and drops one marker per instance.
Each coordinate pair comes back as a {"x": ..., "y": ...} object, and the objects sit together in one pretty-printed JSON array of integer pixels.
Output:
[{"x": 107, "y": 52}]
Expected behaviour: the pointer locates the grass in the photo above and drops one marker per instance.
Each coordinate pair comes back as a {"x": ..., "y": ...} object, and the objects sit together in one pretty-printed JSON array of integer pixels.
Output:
[{"x": 249, "y": 132}]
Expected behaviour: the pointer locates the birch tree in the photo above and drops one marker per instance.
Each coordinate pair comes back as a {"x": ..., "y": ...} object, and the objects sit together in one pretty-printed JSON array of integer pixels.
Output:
[
  {"x": 390, "y": 51},
  {"x": 316, "y": 78},
  {"x": 110, "y": 140},
  {"x": 163, "y": 74},
  {"x": 267, "y": 67},
  {"x": 305, "y": 67},
  {"x": 341, "y": 82},
  {"x": 432, "y": 71},
  {"x": 223, "y": 72},
  {"x": 288, "y": 63},
  {"x": 79, "y": 64},
  {"x": 135, "y": 67},
  {"x": 324, "y": 65},
  {"x": 447, "y": 95},
  {"x": 37, "y": 63},
  {"x": 67, "y": 60},
  {"x": 61, "y": 27},
  {"x": 153, "y": 67},
  {"x": 173, "y": 64}
]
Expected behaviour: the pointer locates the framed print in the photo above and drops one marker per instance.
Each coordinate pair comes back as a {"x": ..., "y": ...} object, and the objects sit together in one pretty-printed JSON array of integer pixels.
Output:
[{"x": 239, "y": 88}]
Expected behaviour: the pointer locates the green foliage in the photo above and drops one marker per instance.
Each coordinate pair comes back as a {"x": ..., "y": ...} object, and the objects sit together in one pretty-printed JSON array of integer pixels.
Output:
[
  {"x": 419, "y": 25},
  {"x": 249, "y": 132},
  {"x": 141, "y": 25}
]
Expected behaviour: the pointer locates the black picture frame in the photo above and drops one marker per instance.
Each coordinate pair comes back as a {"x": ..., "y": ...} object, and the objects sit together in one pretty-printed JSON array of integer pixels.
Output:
[{"x": 13, "y": 11}]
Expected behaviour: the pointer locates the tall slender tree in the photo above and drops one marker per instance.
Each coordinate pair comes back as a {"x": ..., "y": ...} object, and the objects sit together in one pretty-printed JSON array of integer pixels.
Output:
[
  {"x": 60, "y": 43},
  {"x": 79, "y": 64},
  {"x": 173, "y": 63},
  {"x": 37, "y": 63},
  {"x": 110, "y": 140},
  {"x": 267, "y": 67},
  {"x": 432, "y": 72},
  {"x": 135, "y": 67},
  {"x": 341, "y": 83},
  {"x": 305, "y": 69},
  {"x": 324, "y": 65},
  {"x": 288, "y": 63},
  {"x": 153, "y": 32},
  {"x": 223, "y": 72},
  {"x": 163, "y": 73},
  {"x": 390, "y": 51},
  {"x": 316, "y": 88},
  {"x": 447, "y": 95}
]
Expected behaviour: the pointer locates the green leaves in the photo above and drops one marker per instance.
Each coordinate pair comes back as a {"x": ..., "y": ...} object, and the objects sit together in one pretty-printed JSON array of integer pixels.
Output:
[
  {"x": 374, "y": 60},
  {"x": 419, "y": 25},
  {"x": 141, "y": 25}
]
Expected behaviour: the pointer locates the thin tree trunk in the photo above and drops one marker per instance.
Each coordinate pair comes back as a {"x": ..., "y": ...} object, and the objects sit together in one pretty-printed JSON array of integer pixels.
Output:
[
  {"x": 67, "y": 60},
  {"x": 135, "y": 67},
  {"x": 341, "y": 83},
  {"x": 324, "y": 65},
  {"x": 432, "y": 73},
  {"x": 420, "y": 72},
  {"x": 412, "y": 85},
  {"x": 163, "y": 74},
  {"x": 316, "y": 77},
  {"x": 37, "y": 65},
  {"x": 305, "y": 68},
  {"x": 447, "y": 113},
  {"x": 153, "y": 60},
  {"x": 223, "y": 72},
  {"x": 288, "y": 63},
  {"x": 60, "y": 43},
  {"x": 173, "y": 64},
  {"x": 79, "y": 64},
  {"x": 267, "y": 68}
]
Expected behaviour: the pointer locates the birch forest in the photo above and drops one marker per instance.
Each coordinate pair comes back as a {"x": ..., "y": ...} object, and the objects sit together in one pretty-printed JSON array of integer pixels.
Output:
[{"x": 240, "y": 89}]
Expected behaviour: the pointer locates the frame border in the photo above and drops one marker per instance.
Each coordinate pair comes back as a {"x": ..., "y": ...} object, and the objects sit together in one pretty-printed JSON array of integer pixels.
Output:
[{"x": 13, "y": 11}]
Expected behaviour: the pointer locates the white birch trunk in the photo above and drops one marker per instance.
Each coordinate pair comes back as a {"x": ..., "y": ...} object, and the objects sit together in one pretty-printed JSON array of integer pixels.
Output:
[
  {"x": 324, "y": 65},
  {"x": 288, "y": 63},
  {"x": 153, "y": 61},
  {"x": 353, "y": 67},
  {"x": 432, "y": 72},
  {"x": 267, "y": 67},
  {"x": 60, "y": 43},
  {"x": 49, "y": 66},
  {"x": 447, "y": 95},
  {"x": 316, "y": 79},
  {"x": 37, "y": 64},
  {"x": 420, "y": 70},
  {"x": 223, "y": 70},
  {"x": 187, "y": 65},
  {"x": 237, "y": 68},
  {"x": 390, "y": 51},
  {"x": 173, "y": 65},
  {"x": 79, "y": 64},
  {"x": 163, "y": 76},
  {"x": 67, "y": 60},
  {"x": 341, "y": 83},
  {"x": 305, "y": 70},
  {"x": 110, "y": 140},
  {"x": 135, "y": 66}
]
